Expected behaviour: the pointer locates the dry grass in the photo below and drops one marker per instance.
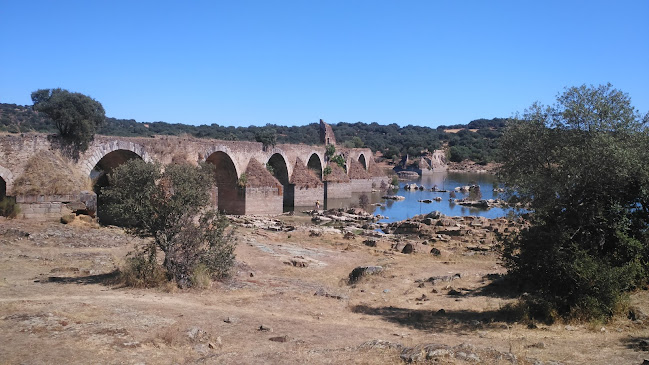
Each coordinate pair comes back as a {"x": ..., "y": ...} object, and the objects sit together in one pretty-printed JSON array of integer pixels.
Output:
[
  {"x": 337, "y": 174},
  {"x": 78, "y": 323},
  {"x": 259, "y": 176},
  {"x": 303, "y": 176},
  {"x": 49, "y": 173},
  {"x": 356, "y": 171}
]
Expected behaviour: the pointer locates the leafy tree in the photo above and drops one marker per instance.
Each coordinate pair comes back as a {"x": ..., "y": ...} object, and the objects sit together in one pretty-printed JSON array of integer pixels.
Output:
[
  {"x": 581, "y": 165},
  {"x": 330, "y": 150},
  {"x": 338, "y": 159},
  {"x": 165, "y": 205},
  {"x": 76, "y": 116},
  {"x": 268, "y": 137}
]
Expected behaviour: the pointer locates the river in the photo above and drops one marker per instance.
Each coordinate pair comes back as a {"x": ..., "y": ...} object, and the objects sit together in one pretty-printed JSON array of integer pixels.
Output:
[{"x": 396, "y": 210}]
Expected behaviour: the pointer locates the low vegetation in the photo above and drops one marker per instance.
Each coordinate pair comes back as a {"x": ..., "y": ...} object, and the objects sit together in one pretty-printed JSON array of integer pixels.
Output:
[{"x": 48, "y": 172}]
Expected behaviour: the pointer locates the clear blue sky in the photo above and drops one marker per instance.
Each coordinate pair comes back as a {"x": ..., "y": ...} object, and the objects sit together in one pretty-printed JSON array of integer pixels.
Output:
[{"x": 294, "y": 62}]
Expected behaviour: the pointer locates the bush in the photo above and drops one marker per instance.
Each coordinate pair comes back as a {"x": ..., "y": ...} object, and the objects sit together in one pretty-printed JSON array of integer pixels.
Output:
[
  {"x": 580, "y": 165},
  {"x": 172, "y": 207},
  {"x": 76, "y": 116},
  {"x": 9, "y": 208}
]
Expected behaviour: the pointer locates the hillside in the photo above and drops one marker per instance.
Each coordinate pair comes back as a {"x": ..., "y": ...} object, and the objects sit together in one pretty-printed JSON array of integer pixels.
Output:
[{"x": 476, "y": 140}]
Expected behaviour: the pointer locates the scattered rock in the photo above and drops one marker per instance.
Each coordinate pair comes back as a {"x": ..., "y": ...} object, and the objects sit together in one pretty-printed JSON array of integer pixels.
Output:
[
  {"x": 231, "y": 320},
  {"x": 321, "y": 292},
  {"x": 279, "y": 339},
  {"x": 636, "y": 314},
  {"x": 408, "y": 248},
  {"x": 370, "y": 243},
  {"x": 435, "y": 252},
  {"x": 362, "y": 271},
  {"x": 538, "y": 345},
  {"x": 297, "y": 263},
  {"x": 263, "y": 328},
  {"x": 67, "y": 218}
]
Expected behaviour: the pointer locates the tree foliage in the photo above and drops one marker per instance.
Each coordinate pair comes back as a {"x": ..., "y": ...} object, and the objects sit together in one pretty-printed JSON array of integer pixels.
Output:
[
  {"x": 165, "y": 205},
  {"x": 581, "y": 165},
  {"x": 268, "y": 137},
  {"x": 476, "y": 140},
  {"x": 77, "y": 117}
]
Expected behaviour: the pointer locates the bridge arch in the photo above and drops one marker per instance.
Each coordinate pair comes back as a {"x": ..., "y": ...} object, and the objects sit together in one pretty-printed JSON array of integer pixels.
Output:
[
  {"x": 279, "y": 165},
  {"x": 226, "y": 174},
  {"x": 315, "y": 164},
  {"x": 97, "y": 153},
  {"x": 225, "y": 150},
  {"x": 362, "y": 161},
  {"x": 277, "y": 151},
  {"x": 6, "y": 185}
]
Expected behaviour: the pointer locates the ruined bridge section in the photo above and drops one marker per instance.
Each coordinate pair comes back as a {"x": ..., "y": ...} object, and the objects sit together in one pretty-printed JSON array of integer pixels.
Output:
[{"x": 268, "y": 191}]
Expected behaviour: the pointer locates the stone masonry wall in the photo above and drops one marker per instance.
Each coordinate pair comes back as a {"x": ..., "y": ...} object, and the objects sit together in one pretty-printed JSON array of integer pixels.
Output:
[
  {"x": 361, "y": 185},
  {"x": 52, "y": 207},
  {"x": 335, "y": 190},
  {"x": 306, "y": 197},
  {"x": 264, "y": 201}
]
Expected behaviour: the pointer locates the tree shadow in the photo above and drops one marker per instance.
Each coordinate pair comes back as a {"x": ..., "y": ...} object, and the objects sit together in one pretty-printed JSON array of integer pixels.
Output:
[
  {"x": 636, "y": 343},
  {"x": 104, "y": 279},
  {"x": 442, "y": 320},
  {"x": 499, "y": 286}
]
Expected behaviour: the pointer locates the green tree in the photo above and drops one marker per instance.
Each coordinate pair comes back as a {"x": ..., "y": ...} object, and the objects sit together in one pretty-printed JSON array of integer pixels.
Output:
[
  {"x": 76, "y": 116},
  {"x": 330, "y": 150},
  {"x": 268, "y": 137},
  {"x": 581, "y": 165},
  {"x": 338, "y": 159},
  {"x": 165, "y": 205}
]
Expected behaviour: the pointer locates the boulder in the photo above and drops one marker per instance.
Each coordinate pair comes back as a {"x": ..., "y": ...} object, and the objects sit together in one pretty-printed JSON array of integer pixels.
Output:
[
  {"x": 362, "y": 271},
  {"x": 408, "y": 248}
]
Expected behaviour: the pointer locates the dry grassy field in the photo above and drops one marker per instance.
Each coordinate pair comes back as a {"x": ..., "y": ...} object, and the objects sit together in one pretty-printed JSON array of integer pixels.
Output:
[{"x": 287, "y": 302}]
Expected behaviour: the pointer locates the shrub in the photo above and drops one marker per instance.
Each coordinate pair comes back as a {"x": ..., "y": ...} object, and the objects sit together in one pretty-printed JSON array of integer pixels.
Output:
[
  {"x": 9, "y": 208},
  {"x": 581, "y": 167},
  {"x": 172, "y": 207}
]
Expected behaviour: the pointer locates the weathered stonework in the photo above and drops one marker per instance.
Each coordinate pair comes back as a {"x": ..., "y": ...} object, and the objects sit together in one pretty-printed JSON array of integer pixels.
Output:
[
  {"x": 16, "y": 150},
  {"x": 263, "y": 201},
  {"x": 52, "y": 207},
  {"x": 308, "y": 196},
  {"x": 361, "y": 185},
  {"x": 338, "y": 190}
]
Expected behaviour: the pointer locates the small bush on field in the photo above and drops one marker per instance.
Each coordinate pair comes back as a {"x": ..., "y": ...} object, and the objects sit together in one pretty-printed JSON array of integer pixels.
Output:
[
  {"x": 9, "y": 208},
  {"x": 171, "y": 207}
]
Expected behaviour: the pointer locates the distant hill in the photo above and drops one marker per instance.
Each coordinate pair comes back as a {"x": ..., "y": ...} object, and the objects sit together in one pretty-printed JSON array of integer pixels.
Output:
[{"x": 476, "y": 140}]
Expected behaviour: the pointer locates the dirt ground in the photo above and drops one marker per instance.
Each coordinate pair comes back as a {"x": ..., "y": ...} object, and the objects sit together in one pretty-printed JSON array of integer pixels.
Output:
[{"x": 56, "y": 306}]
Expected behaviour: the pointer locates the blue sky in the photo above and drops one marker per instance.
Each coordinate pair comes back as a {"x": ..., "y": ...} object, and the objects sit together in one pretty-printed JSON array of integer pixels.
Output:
[{"x": 294, "y": 62}]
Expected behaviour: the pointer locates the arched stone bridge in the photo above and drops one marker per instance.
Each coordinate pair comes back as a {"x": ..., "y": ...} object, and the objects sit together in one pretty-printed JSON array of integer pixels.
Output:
[{"x": 231, "y": 158}]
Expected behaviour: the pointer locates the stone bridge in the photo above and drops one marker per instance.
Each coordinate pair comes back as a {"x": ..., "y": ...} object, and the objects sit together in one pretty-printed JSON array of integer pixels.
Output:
[{"x": 232, "y": 160}]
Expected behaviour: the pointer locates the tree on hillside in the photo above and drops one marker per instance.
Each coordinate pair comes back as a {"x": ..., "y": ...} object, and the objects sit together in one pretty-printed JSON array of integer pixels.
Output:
[
  {"x": 76, "y": 116},
  {"x": 582, "y": 165},
  {"x": 166, "y": 205},
  {"x": 268, "y": 137}
]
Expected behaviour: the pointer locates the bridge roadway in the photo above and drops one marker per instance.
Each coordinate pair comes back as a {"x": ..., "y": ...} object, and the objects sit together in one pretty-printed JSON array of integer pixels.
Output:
[{"x": 231, "y": 159}]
